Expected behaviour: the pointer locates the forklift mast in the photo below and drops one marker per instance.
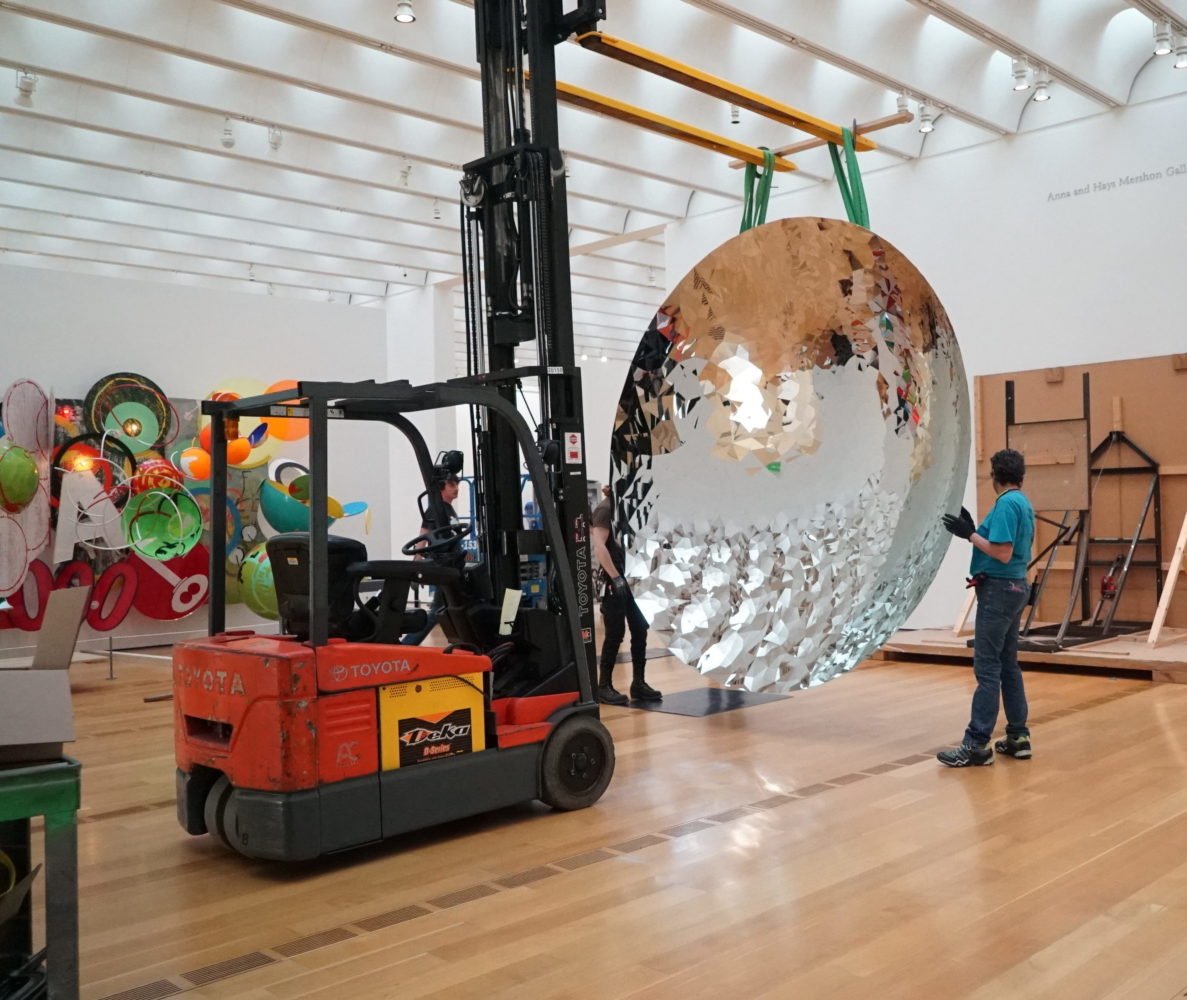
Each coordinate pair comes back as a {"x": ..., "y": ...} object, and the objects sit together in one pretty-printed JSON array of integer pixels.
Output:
[{"x": 517, "y": 290}]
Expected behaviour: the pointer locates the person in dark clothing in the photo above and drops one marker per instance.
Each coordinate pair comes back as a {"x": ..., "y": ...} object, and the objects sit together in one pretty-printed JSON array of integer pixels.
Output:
[
  {"x": 618, "y": 611},
  {"x": 449, "y": 492},
  {"x": 1001, "y": 552}
]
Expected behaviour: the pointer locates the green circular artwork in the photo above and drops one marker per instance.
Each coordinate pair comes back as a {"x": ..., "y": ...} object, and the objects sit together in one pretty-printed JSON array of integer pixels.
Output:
[
  {"x": 162, "y": 524},
  {"x": 18, "y": 478},
  {"x": 256, "y": 586}
]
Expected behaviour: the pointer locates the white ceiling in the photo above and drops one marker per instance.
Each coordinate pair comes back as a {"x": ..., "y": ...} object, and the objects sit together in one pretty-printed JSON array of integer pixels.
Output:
[{"x": 116, "y": 162}]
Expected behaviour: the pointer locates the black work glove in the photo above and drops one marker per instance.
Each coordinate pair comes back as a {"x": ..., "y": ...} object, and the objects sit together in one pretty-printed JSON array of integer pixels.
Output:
[
  {"x": 962, "y": 526},
  {"x": 620, "y": 588}
]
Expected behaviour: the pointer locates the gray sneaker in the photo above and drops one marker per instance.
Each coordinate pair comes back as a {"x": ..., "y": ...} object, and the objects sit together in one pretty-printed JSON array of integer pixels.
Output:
[
  {"x": 1017, "y": 747},
  {"x": 965, "y": 756}
]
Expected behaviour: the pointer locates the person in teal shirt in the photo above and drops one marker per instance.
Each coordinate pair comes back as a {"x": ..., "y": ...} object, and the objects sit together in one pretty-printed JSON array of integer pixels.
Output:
[{"x": 1001, "y": 552}]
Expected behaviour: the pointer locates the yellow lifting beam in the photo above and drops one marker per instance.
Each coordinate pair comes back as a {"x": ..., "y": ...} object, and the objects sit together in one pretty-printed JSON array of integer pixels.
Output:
[
  {"x": 714, "y": 86},
  {"x": 902, "y": 118},
  {"x": 602, "y": 104}
]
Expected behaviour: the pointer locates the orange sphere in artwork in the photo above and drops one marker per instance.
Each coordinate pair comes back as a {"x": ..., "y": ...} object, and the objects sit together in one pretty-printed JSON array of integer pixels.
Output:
[
  {"x": 238, "y": 450},
  {"x": 195, "y": 463},
  {"x": 287, "y": 428}
]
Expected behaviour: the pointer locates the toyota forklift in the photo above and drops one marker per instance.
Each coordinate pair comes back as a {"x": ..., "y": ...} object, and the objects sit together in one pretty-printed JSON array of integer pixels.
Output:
[{"x": 334, "y": 734}]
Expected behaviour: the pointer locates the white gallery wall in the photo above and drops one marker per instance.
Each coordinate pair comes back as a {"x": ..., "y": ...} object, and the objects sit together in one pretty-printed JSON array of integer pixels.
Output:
[
  {"x": 66, "y": 330},
  {"x": 1065, "y": 246}
]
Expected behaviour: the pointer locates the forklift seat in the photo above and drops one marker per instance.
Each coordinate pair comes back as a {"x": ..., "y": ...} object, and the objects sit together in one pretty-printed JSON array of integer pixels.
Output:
[
  {"x": 289, "y": 555},
  {"x": 384, "y": 618}
]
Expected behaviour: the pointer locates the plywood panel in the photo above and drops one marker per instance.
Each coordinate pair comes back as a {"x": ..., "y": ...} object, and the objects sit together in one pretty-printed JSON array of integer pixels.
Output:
[{"x": 1057, "y": 457}]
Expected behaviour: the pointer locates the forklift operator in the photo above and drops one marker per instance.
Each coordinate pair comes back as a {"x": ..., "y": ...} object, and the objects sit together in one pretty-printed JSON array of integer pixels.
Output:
[{"x": 449, "y": 486}]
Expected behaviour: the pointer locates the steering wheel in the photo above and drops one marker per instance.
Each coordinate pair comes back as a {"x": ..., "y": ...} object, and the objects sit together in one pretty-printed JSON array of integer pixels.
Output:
[{"x": 439, "y": 540}]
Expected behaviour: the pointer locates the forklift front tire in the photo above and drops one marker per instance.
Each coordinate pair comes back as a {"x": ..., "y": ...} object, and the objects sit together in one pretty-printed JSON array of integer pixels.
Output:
[
  {"x": 577, "y": 764},
  {"x": 216, "y": 807}
]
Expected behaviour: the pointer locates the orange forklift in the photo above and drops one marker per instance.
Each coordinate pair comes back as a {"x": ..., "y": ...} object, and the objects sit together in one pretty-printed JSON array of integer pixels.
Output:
[{"x": 334, "y": 734}]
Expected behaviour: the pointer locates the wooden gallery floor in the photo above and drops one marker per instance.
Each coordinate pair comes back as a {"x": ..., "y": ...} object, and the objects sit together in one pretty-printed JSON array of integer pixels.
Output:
[{"x": 808, "y": 848}]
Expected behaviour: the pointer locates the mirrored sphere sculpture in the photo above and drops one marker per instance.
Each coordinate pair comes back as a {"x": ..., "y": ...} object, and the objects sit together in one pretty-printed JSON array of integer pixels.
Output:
[{"x": 794, "y": 424}]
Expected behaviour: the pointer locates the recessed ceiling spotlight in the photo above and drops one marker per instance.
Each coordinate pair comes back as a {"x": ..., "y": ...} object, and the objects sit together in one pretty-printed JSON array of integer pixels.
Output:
[
  {"x": 404, "y": 12},
  {"x": 735, "y": 114},
  {"x": 1042, "y": 82},
  {"x": 275, "y": 136},
  {"x": 926, "y": 120},
  {"x": 1020, "y": 69},
  {"x": 1180, "y": 52},
  {"x": 1162, "y": 38},
  {"x": 228, "y": 137}
]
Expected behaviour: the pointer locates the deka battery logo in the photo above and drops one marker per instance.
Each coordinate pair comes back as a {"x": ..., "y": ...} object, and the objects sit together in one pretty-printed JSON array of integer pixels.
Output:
[{"x": 428, "y": 738}]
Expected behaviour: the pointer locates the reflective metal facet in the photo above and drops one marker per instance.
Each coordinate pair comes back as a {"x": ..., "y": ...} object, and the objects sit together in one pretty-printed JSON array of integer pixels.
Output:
[{"x": 794, "y": 423}]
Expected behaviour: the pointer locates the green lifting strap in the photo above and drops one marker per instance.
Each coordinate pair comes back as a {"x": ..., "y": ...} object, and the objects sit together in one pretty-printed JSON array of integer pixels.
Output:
[
  {"x": 853, "y": 192},
  {"x": 758, "y": 191}
]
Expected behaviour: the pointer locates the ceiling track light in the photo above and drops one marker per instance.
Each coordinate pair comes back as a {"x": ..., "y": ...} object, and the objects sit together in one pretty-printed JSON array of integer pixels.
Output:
[
  {"x": 1162, "y": 38},
  {"x": 1042, "y": 82},
  {"x": 735, "y": 114},
  {"x": 228, "y": 137},
  {"x": 1180, "y": 52},
  {"x": 902, "y": 103},
  {"x": 927, "y": 122},
  {"x": 275, "y": 136},
  {"x": 436, "y": 210},
  {"x": 404, "y": 12},
  {"x": 1020, "y": 68},
  {"x": 26, "y": 83}
]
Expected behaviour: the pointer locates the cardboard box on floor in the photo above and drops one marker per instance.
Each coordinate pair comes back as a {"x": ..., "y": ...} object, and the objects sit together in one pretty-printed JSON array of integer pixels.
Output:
[{"x": 35, "y": 713}]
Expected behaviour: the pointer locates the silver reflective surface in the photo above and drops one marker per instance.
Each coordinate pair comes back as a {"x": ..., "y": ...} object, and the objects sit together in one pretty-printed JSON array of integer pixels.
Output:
[{"x": 794, "y": 424}]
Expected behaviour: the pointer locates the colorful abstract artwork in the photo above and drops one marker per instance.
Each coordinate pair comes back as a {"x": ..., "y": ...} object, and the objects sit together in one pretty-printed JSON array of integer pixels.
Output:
[{"x": 111, "y": 490}]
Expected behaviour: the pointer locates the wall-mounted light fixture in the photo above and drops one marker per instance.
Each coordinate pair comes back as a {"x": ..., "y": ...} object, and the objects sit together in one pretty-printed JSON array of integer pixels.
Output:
[{"x": 404, "y": 12}]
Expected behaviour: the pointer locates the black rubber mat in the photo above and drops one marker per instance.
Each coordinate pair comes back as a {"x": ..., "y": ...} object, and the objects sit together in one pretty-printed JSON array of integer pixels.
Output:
[{"x": 706, "y": 701}]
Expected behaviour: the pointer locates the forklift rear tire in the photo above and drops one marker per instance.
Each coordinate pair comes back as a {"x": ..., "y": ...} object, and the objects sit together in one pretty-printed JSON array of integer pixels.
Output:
[
  {"x": 216, "y": 807},
  {"x": 577, "y": 764}
]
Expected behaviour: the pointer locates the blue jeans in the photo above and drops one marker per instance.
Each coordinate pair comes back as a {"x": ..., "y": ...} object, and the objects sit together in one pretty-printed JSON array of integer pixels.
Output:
[{"x": 1000, "y": 604}]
